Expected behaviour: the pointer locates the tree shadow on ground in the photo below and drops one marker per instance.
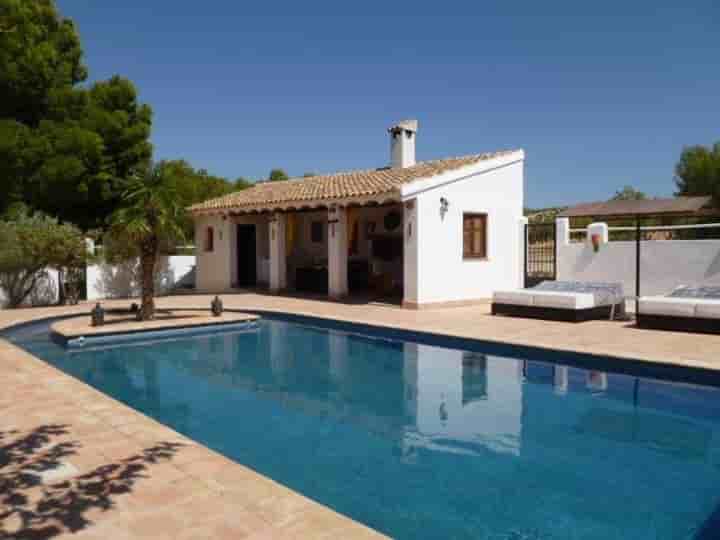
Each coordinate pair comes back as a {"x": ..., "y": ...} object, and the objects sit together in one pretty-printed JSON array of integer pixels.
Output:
[{"x": 33, "y": 510}]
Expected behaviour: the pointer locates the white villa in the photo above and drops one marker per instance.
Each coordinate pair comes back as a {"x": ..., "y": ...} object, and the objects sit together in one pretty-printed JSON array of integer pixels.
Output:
[{"x": 430, "y": 233}]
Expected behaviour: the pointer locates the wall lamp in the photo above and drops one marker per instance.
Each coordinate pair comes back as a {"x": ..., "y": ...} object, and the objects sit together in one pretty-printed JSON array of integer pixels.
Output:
[{"x": 444, "y": 205}]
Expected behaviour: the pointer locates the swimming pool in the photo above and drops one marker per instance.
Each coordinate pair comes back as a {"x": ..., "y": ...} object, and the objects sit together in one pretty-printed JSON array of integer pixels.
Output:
[{"x": 423, "y": 438}]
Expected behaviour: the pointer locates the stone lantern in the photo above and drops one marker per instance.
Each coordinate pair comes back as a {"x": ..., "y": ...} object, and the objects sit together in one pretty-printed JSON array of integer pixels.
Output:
[
  {"x": 217, "y": 306},
  {"x": 98, "y": 315}
]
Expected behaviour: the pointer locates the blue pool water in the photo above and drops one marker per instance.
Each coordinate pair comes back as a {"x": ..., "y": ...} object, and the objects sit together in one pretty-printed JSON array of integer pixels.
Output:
[{"x": 423, "y": 441}]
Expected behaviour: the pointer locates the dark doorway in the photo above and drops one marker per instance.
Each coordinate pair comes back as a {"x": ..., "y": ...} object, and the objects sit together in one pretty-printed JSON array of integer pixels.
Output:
[
  {"x": 246, "y": 256},
  {"x": 540, "y": 253}
]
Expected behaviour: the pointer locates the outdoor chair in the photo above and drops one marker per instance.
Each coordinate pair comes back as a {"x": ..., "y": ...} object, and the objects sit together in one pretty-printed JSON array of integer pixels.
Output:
[
  {"x": 687, "y": 308},
  {"x": 572, "y": 301}
]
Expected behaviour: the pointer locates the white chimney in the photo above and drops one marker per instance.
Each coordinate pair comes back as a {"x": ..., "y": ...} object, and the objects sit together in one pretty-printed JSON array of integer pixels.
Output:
[{"x": 402, "y": 144}]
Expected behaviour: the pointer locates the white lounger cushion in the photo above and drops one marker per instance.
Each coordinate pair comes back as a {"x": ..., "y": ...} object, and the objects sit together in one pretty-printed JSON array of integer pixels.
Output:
[
  {"x": 707, "y": 308},
  {"x": 515, "y": 298},
  {"x": 680, "y": 307},
  {"x": 664, "y": 305},
  {"x": 548, "y": 299},
  {"x": 563, "y": 300}
]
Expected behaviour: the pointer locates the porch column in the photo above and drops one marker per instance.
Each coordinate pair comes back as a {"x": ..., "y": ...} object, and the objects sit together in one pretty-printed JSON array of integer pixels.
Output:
[
  {"x": 278, "y": 266},
  {"x": 562, "y": 240},
  {"x": 337, "y": 253},
  {"x": 522, "y": 252},
  {"x": 411, "y": 256}
]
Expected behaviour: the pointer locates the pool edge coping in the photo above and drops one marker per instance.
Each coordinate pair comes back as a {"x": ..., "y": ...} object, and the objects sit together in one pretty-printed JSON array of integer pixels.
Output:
[{"x": 160, "y": 326}]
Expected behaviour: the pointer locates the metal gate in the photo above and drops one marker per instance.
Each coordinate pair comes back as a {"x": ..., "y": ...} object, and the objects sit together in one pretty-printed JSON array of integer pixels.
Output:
[{"x": 540, "y": 253}]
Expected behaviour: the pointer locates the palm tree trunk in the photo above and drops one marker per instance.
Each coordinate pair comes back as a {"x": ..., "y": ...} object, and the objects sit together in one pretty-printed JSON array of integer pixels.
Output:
[{"x": 148, "y": 254}]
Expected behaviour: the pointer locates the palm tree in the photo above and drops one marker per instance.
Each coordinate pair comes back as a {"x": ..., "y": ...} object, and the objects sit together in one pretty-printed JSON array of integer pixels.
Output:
[{"x": 150, "y": 216}]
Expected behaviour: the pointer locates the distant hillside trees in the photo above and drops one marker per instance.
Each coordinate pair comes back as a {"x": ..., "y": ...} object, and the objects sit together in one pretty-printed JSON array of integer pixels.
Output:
[
  {"x": 242, "y": 183},
  {"x": 278, "y": 175},
  {"x": 698, "y": 171},
  {"x": 628, "y": 193},
  {"x": 543, "y": 215}
]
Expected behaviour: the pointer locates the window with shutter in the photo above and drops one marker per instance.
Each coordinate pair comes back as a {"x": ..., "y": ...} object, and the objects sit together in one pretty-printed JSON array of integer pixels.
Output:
[{"x": 475, "y": 236}]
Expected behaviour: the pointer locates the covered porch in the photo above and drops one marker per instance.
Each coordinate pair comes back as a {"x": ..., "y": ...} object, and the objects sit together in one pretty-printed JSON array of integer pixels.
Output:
[{"x": 353, "y": 250}]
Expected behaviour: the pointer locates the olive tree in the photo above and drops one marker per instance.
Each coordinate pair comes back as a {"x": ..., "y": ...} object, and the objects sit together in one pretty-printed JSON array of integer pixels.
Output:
[{"x": 32, "y": 244}]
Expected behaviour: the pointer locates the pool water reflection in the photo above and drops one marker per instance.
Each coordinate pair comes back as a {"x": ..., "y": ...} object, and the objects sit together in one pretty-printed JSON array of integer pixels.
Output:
[{"x": 420, "y": 441}]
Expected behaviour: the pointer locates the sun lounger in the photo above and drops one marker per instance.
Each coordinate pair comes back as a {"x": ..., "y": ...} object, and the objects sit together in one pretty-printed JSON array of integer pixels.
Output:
[
  {"x": 687, "y": 308},
  {"x": 562, "y": 300}
]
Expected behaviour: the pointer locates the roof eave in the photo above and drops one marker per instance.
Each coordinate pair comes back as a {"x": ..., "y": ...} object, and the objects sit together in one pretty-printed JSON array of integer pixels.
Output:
[
  {"x": 358, "y": 200},
  {"x": 420, "y": 185},
  {"x": 599, "y": 210}
]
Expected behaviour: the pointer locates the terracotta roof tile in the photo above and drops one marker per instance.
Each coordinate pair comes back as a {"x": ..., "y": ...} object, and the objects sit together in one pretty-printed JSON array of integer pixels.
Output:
[
  {"x": 645, "y": 207},
  {"x": 337, "y": 186}
]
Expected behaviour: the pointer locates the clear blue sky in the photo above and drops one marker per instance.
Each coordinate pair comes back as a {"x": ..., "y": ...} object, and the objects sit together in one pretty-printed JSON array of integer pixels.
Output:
[{"x": 599, "y": 95}]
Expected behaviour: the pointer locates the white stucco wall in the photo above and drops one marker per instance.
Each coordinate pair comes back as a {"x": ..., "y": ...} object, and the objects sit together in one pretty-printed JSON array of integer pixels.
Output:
[
  {"x": 217, "y": 269},
  {"x": 664, "y": 264},
  {"x": 122, "y": 280},
  {"x": 435, "y": 270},
  {"x": 214, "y": 271}
]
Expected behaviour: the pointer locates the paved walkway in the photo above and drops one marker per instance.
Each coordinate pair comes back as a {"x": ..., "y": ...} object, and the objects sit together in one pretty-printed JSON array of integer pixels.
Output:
[{"x": 75, "y": 463}]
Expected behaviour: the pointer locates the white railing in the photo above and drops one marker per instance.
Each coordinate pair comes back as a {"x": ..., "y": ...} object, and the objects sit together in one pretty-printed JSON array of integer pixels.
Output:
[
  {"x": 583, "y": 230},
  {"x": 671, "y": 255}
]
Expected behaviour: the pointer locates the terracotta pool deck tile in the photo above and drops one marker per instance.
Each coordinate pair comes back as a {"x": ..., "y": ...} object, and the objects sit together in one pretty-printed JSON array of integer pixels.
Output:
[
  {"x": 139, "y": 425},
  {"x": 101, "y": 531},
  {"x": 151, "y": 495},
  {"x": 148, "y": 431},
  {"x": 160, "y": 524},
  {"x": 273, "y": 533},
  {"x": 236, "y": 523},
  {"x": 114, "y": 418},
  {"x": 118, "y": 449},
  {"x": 316, "y": 523},
  {"x": 280, "y": 510},
  {"x": 205, "y": 468},
  {"x": 189, "y": 454},
  {"x": 244, "y": 486},
  {"x": 164, "y": 473},
  {"x": 86, "y": 461}
]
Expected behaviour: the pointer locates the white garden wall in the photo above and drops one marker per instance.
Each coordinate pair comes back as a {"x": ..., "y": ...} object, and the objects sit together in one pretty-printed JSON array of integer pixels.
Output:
[
  {"x": 122, "y": 281},
  {"x": 45, "y": 293},
  {"x": 664, "y": 264}
]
